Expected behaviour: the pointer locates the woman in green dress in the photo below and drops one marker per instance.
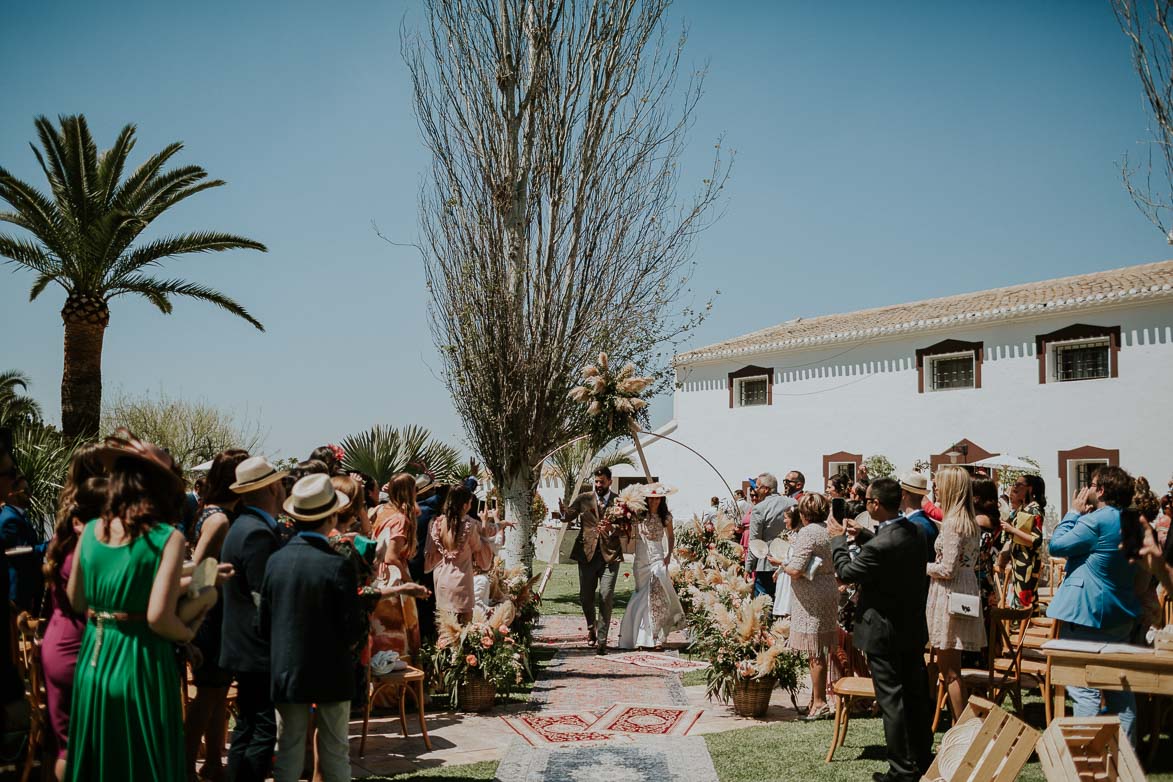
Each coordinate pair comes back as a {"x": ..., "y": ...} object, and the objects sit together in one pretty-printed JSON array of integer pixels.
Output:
[{"x": 127, "y": 721}]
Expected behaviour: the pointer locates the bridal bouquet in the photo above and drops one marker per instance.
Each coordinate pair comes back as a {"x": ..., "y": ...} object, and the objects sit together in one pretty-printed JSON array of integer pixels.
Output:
[{"x": 624, "y": 511}]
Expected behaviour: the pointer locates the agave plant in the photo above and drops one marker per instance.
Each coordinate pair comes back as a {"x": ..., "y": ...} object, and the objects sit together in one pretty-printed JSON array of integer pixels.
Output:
[
  {"x": 42, "y": 455},
  {"x": 383, "y": 451},
  {"x": 16, "y": 408},
  {"x": 572, "y": 467}
]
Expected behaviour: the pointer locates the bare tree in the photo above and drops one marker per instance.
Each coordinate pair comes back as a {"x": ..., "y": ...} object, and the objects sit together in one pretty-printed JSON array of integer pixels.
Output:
[
  {"x": 1147, "y": 26},
  {"x": 552, "y": 227}
]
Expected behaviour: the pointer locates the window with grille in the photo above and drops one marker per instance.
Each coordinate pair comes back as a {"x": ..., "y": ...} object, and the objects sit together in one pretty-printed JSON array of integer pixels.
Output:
[
  {"x": 1083, "y": 473},
  {"x": 846, "y": 469},
  {"x": 752, "y": 391},
  {"x": 951, "y": 372},
  {"x": 1083, "y": 360}
]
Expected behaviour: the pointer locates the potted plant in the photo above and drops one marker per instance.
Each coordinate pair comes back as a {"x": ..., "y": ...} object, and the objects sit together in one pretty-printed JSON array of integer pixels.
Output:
[
  {"x": 746, "y": 650},
  {"x": 476, "y": 661}
]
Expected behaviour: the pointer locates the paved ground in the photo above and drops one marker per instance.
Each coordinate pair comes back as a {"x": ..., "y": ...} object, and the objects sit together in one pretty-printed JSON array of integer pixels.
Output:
[{"x": 576, "y": 680}]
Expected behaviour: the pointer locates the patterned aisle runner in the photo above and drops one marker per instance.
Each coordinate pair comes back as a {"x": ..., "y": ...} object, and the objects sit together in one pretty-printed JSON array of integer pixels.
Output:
[{"x": 578, "y": 684}]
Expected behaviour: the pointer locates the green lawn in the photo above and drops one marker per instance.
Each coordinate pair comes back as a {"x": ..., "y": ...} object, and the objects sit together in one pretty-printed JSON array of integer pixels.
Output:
[
  {"x": 465, "y": 773},
  {"x": 561, "y": 595}
]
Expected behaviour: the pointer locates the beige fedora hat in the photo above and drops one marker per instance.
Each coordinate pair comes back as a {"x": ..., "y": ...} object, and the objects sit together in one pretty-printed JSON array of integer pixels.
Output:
[
  {"x": 314, "y": 498},
  {"x": 659, "y": 490},
  {"x": 255, "y": 473},
  {"x": 915, "y": 482}
]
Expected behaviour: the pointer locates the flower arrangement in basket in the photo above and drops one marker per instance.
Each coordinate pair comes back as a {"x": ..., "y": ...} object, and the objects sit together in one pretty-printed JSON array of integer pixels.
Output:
[
  {"x": 482, "y": 654},
  {"x": 514, "y": 586},
  {"x": 735, "y": 632}
]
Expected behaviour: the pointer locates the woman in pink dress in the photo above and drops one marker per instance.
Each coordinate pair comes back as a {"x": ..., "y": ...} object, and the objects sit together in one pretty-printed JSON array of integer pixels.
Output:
[
  {"x": 82, "y": 499},
  {"x": 453, "y": 552}
]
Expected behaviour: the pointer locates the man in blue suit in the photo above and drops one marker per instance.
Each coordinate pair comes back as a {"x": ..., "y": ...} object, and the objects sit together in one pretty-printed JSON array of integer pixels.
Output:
[
  {"x": 1097, "y": 601},
  {"x": 25, "y": 582}
]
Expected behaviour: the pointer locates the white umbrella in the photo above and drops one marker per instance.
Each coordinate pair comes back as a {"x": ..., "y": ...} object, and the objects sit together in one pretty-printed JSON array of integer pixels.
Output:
[{"x": 1005, "y": 462}]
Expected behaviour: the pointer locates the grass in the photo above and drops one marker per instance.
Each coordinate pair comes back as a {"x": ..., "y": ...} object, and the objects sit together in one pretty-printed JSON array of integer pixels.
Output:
[
  {"x": 561, "y": 595},
  {"x": 468, "y": 772}
]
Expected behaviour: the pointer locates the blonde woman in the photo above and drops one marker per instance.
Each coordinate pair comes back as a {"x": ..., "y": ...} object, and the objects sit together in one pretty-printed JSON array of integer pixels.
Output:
[{"x": 953, "y": 571}]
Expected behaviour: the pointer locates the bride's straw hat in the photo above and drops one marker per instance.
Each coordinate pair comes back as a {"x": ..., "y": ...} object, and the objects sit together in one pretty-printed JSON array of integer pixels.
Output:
[{"x": 658, "y": 489}]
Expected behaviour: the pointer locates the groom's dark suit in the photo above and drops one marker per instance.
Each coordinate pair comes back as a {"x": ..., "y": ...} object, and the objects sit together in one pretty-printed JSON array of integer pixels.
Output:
[
  {"x": 598, "y": 557},
  {"x": 890, "y": 629}
]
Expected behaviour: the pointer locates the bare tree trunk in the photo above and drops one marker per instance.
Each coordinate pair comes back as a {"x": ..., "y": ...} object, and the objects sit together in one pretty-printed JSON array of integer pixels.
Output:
[
  {"x": 81, "y": 377},
  {"x": 518, "y": 494}
]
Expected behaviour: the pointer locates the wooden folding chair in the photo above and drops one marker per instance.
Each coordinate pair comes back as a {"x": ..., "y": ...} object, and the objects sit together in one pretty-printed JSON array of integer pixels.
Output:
[
  {"x": 1004, "y": 674},
  {"x": 28, "y": 661},
  {"x": 845, "y": 690},
  {"x": 410, "y": 680}
]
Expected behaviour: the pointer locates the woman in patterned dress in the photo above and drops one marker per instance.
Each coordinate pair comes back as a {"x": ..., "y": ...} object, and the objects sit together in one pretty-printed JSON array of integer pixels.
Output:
[
  {"x": 814, "y": 603},
  {"x": 953, "y": 572},
  {"x": 654, "y": 610},
  {"x": 1024, "y": 531},
  {"x": 985, "y": 510}
]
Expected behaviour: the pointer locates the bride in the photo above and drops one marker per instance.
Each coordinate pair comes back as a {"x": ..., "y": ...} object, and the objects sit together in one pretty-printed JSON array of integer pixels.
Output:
[{"x": 654, "y": 610}]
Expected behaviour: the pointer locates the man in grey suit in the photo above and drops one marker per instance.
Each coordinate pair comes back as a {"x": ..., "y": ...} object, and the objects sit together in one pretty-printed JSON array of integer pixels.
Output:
[
  {"x": 767, "y": 521},
  {"x": 598, "y": 556}
]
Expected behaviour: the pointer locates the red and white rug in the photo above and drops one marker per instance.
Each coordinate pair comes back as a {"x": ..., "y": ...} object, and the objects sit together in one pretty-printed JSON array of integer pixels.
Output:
[
  {"x": 661, "y": 662},
  {"x": 541, "y": 730},
  {"x": 637, "y": 719}
]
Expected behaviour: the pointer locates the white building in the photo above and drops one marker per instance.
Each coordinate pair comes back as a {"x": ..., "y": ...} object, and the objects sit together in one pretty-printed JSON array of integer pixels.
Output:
[{"x": 1071, "y": 373}]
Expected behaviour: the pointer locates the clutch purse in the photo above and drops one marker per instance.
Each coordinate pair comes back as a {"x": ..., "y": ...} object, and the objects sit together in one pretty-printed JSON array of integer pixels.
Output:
[{"x": 965, "y": 605}]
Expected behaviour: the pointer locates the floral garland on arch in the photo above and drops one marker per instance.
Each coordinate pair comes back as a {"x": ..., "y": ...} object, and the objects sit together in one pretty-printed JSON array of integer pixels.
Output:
[{"x": 615, "y": 401}]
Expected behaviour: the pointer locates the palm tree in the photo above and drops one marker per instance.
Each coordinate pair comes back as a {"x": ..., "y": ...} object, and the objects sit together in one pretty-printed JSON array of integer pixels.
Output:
[
  {"x": 16, "y": 408},
  {"x": 382, "y": 451},
  {"x": 83, "y": 237},
  {"x": 572, "y": 467}
]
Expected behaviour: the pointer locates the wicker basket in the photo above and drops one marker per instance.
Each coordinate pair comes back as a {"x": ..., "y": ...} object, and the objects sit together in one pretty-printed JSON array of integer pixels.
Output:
[
  {"x": 476, "y": 694},
  {"x": 751, "y": 697}
]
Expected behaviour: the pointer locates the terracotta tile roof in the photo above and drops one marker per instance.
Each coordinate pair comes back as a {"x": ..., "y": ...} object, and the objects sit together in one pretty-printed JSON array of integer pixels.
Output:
[{"x": 1084, "y": 291}]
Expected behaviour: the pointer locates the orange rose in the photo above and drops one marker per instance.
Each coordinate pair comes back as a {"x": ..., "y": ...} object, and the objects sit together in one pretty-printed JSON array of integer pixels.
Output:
[
  {"x": 503, "y": 629},
  {"x": 471, "y": 660},
  {"x": 487, "y": 641}
]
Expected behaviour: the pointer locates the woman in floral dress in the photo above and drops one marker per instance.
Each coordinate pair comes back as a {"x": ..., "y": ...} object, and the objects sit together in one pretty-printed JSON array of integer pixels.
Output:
[
  {"x": 814, "y": 603},
  {"x": 1024, "y": 532},
  {"x": 952, "y": 572}
]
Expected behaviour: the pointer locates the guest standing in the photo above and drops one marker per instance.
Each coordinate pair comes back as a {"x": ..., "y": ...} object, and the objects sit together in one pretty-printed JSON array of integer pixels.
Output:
[
  {"x": 1024, "y": 532},
  {"x": 206, "y": 720},
  {"x": 83, "y": 498},
  {"x": 814, "y": 604},
  {"x": 1097, "y": 600},
  {"x": 430, "y": 501},
  {"x": 914, "y": 490},
  {"x": 890, "y": 624},
  {"x": 767, "y": 521},
  {"x": 251, "y": 541},
  {"x": 454, "y": 550},
  {"x": 25, "y": 583},
  {"x": 952, "y": 572},
  {"x": 127, "y": 720},
  {"x": 985, "y": 513},
  {"x": 311, "y": 610}
]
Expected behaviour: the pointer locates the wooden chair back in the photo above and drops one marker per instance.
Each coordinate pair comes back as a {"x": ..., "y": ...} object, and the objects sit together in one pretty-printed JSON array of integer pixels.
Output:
[
  {"x": 29, "y": 664},
  {"x": 1007, "y": 632}
]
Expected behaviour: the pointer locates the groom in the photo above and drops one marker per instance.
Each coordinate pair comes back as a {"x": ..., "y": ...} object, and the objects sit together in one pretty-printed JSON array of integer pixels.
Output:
[{"x": 598, "y": 556}]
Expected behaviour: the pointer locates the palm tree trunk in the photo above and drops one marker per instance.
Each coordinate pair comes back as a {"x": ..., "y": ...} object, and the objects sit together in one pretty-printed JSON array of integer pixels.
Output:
[{"x": 81, "y": 378}]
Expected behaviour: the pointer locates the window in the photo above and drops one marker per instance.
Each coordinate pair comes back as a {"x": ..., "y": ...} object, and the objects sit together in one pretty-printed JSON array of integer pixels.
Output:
[
  {"x": 951, "y": 371},
  {"x": 949, "y": 365},
  {"x": 752, "y": 391},
  {"x": 1089, "y": 360},
  {"x": 1078, "y": 352},
  {"x": 751, "y": 387},
  {"x": 846, "y": 469},
  {"x": 842, "y": 463},
  {"x": 1076, "y": 467}
]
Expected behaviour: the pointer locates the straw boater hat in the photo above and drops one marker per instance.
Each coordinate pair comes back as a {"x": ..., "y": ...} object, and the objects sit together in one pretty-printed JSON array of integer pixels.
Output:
[
  {"x": 658, "y": 489},
  {"x": 314, "y": 498},
  {"x": 122, "y": 443},
  {"x": 915, "y": 483},
  {"x": 423, "y": 482},
  {"x": 255, "y": 473}
]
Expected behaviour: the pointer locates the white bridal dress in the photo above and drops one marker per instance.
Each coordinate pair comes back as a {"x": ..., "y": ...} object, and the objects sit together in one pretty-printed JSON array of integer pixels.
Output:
[{"x": 654, "y": 610}]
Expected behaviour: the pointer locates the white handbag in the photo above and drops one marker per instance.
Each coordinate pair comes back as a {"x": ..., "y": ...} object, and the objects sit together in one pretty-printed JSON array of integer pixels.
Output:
[{"x": 965, "y": 605}]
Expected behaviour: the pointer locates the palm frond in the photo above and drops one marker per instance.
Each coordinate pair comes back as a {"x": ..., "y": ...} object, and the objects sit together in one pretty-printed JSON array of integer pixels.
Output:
[
  {"x": 159, "y": 292},
  {"x": 28, "y": 254},
  {"x": 382, "y": 451},
  {"x": 130, "y": 189},
  {"x": 112, "y": 163},
  {"x": 42, "y": 456},
  {"x": 168, "y": 247}
]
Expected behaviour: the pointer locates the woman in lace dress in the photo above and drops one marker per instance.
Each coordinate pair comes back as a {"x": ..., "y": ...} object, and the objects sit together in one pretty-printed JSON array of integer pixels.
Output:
[
  {"x": 654, "y": 610},
  {"x": 954, "y": 571},
  {"x": 814, "y": 605}
]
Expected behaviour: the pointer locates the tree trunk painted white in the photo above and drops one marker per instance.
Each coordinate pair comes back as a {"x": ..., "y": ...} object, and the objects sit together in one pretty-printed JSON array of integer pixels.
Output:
[{"x": 518, "y": 494}]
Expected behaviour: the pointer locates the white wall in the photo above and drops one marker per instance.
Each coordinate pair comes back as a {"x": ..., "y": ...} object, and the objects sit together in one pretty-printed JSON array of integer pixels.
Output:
[{"x": 862, "y": 398}]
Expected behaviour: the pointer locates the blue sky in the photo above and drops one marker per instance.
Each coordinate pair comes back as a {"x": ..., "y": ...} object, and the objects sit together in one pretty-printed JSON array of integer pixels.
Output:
[{"x": 885, "y": 152}]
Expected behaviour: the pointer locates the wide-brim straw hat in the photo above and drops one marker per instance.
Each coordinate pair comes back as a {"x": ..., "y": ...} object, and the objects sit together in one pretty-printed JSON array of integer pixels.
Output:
[
  {"x": 314, "y": 498},
  {"x": 424, "y": 482},
  {"x": 915, "y": 483},
  {"x": 123, "y": 444},
  {"x": 659, "y": 490},
  {"x": 255, "y": 473}
]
